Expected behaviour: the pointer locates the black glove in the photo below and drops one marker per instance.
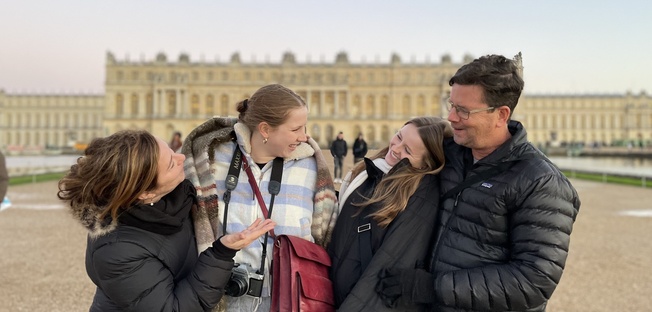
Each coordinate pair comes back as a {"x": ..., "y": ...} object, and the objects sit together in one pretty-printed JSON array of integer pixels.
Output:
[{"x": 413, "y": 285}]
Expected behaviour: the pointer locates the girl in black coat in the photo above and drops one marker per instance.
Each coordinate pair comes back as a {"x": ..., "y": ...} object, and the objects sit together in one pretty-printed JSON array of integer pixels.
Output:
[
  {"x": 386, "y": 214},
  {"x": 129, "y": 190}
]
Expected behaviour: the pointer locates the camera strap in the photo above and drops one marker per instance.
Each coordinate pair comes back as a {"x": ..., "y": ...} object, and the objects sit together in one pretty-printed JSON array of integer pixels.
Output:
[
  {"x": 274, "y": 187},
  {"x": 231, "y": 182}
]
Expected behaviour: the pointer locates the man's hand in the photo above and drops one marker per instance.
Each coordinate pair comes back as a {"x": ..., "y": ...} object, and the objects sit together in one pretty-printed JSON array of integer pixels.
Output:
[{"x": 413, "y": 285}]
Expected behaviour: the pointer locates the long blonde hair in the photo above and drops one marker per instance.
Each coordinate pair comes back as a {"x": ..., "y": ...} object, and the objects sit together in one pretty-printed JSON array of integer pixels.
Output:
[{"x": 395, "y": 189}]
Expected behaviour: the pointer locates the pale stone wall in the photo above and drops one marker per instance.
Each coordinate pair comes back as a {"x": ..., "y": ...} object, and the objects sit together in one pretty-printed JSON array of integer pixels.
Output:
[
  {"x": 375, "y": 99},
  {"x": 606, "y": 119},
  {"x": 35, "y": 121},
  {"x": 164, "y": 96}
]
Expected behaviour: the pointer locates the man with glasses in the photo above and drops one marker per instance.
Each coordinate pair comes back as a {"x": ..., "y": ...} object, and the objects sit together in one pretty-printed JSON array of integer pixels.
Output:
[{"x": 507, "y": 212}]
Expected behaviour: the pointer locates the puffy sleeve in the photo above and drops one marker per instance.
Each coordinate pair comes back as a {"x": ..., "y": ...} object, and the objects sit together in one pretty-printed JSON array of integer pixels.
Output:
[{"x": 136, "y": 280}]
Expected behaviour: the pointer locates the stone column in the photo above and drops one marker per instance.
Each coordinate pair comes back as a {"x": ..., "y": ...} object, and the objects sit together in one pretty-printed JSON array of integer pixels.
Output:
[
  {"x": 336, "y": 103},
  {"x": 178, "y": 99},
  {"x": 322, "y": 101},
  {"x": 157, "y": 100}
]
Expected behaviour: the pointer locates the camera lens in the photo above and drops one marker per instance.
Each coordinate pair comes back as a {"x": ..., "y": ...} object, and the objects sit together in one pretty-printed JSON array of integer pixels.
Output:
[{"x": 236, "y": 287}]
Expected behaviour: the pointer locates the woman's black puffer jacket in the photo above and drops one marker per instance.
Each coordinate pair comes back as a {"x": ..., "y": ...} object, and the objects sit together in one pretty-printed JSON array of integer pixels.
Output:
[
  {"x": 148, "y": 261},
  {"x": 502, "y": 243}
]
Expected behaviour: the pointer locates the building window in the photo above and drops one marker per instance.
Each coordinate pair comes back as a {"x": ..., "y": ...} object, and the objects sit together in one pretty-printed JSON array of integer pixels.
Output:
[
  {"x": 149, "y": 104},
  {"x": 194, "y": 105},
  {"x": 210, "y": 106},
  {"x": 421, "y": 105},
  {"x": 134, "y": 104},
  {"x": 119, "y": 104},
  {"x": 172, "y": 102},
  {"x": 224, "y": 111}
]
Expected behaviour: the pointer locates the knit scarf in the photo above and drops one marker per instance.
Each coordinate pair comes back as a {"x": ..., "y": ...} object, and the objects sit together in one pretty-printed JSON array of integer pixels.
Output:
[{"x": 199, "y": 149}]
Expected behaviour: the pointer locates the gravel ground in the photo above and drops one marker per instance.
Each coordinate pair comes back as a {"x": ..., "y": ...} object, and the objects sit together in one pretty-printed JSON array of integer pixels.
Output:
[{"x": 42, "y": 252}]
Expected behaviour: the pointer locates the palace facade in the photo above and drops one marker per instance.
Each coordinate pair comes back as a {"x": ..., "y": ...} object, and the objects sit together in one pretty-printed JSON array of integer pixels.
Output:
[
  {"x": 32, "y": 123},
  {"x": 375, "y": 99}
]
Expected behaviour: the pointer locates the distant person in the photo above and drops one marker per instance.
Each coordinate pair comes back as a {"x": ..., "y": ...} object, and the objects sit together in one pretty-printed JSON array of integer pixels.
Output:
[
  {"x": 338, "y": 151},
  {"x": 129, "y": 191},
  {"x": 387, "y": 212},
  {"x": 359, "y": 149},
  {"x": 506, "y": 212},
  {"x": 176, "y": 142},
  {"x": 268, "y": 139},
  {"x": 4, "y": 177}
]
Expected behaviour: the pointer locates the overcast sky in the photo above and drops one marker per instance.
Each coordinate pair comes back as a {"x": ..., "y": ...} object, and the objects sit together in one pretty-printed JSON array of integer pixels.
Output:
[{"x": 568, "y": 47}]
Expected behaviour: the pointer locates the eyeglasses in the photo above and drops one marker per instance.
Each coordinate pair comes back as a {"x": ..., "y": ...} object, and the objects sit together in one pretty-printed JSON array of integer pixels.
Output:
[{"x": 464, "y": 113}]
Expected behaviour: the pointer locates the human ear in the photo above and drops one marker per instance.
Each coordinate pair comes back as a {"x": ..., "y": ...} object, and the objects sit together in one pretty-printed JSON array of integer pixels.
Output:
[
  {"x": 503, "y": 114},
  {"x": 264, "y": 129},
  {"x": 146, "y": 195}
]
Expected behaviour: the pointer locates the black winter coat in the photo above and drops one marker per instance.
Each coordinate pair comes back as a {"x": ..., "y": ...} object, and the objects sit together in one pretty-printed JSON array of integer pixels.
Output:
[
  {"x": 339, "y": 148},
  {"x": 359, "y": 148},
  {"x": 502, "y": 243},
  {"x": 403, "y": 244},
  {"x": 149, "y": 261}
]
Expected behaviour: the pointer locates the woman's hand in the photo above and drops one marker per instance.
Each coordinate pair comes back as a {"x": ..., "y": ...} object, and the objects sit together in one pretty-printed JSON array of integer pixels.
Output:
[{"x": 237, "y": 241}]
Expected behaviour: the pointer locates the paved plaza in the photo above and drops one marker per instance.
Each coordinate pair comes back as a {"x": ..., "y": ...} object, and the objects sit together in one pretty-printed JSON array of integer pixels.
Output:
[{"x": 42, "y": 252}]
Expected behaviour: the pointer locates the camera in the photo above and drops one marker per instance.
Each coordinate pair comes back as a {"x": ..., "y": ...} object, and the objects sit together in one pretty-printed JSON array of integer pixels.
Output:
[{"x": 244, "y": 280}]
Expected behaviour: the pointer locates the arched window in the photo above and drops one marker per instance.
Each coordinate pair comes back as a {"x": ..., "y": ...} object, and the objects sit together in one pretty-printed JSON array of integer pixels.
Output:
[
  {"x": 172, "y": 103},
  {"x": 421, "y": 105},
  {"x": 355, "y": 108},
  {"x": 210, "y": 106},
  {"x": 384, "y": 106},
  {"x": 119, "y": 104},
  {"x": 194, "y": 105},
  {"x": 224, "y": 111},
  {"x": 370, "y": 105},
  {"x": 315, "y": 132},
  {"x": 149, "y": 104},
  {"x": 134, "y": 104}
]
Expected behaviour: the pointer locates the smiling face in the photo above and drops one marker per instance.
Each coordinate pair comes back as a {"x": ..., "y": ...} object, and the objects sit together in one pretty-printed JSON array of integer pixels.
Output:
[
  {"x": 406, "y": 143},
  {"x": 285, "y": 138},
  {"x": 169, "y": 173},
  {"x": 483, "y": 131}
]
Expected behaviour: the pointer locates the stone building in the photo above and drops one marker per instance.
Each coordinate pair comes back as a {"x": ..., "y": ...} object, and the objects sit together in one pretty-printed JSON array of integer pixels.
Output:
[
  {"x": 31, "y": 123},
  {"x": 587, "y": 119},
  {"x": 375, "y": 99}
]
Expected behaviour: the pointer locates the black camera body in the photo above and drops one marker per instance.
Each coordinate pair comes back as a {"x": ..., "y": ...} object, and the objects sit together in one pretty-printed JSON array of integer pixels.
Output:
[{"x": 244, "y": 280}]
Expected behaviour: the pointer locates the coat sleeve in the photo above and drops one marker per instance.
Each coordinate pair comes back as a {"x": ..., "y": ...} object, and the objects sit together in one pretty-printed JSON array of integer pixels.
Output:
[
  {"x": 140, "y": 282},
  {"x": 403, "y": 248},
  {"x": 541, "y": 225}
]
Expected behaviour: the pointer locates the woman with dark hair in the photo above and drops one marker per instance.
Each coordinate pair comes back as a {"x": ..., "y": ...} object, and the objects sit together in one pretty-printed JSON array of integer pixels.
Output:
[
  {"x": 129, "y": 191},
  {"x": 270, "y": 129},
  {"x": 387, "y": 214}
]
